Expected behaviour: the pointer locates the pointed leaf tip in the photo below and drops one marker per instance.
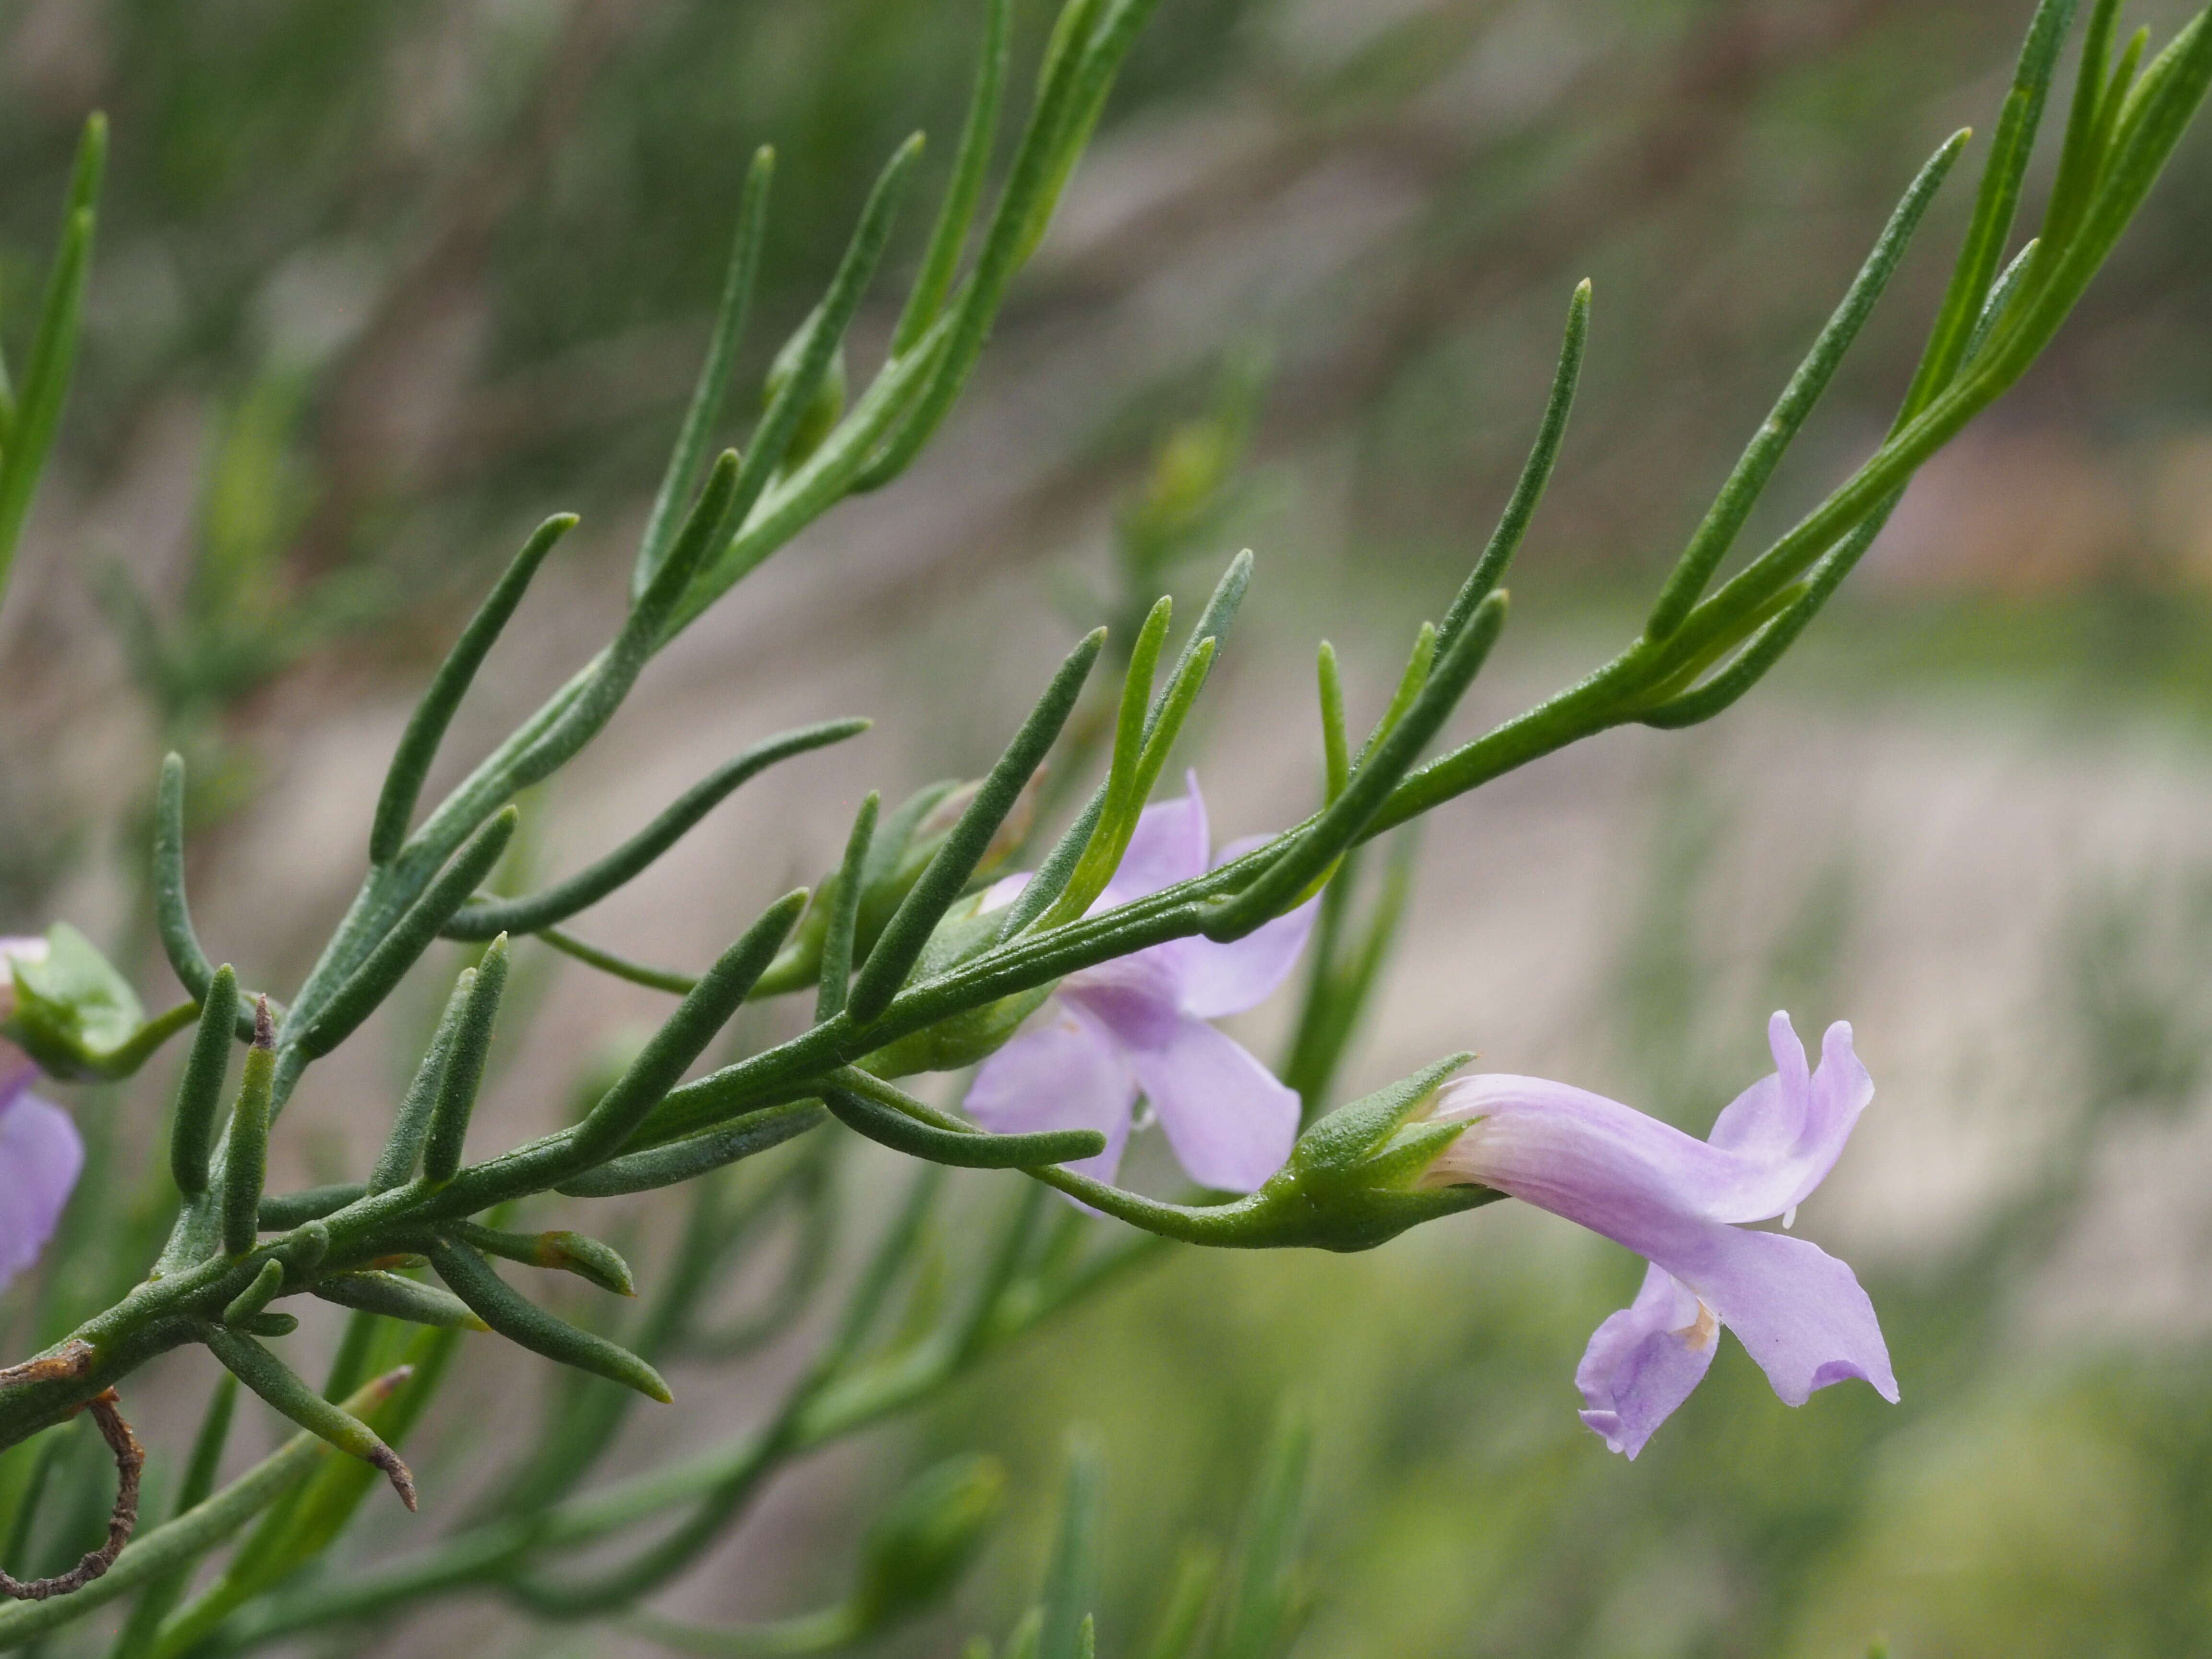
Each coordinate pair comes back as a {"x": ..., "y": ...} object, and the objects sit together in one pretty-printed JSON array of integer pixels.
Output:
[{"x": 403, "y": 1481}]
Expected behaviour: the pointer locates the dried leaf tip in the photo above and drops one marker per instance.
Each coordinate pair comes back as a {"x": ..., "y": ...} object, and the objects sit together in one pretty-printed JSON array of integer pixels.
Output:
[
  {"x": 389, "y": 1384},
  {"x": 395, "y": 1471}
]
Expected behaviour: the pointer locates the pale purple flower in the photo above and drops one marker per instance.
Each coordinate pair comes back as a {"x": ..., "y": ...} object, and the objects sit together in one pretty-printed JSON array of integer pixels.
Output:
[
  {"x": 1138, "y": 1026},
  {"x": 39, "y": 1153},
  {"x": 1677, "y": 1201}
]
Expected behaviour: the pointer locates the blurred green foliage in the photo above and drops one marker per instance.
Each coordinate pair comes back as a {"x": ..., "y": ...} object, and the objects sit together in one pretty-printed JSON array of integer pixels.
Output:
[{"x": 429, "y": 262}]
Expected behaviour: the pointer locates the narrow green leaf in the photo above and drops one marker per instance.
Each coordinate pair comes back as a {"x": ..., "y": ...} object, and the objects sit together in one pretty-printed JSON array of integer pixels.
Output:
[
  {"x": 382, "y": 971},
  {"x": 426, "y": 728},
  {"x": 1995, "y": 205},
  {"x": 294, "y": 1532},
  {"x": 1173, "y": 709},
  {"x": 969, "y": 1149},
  {"x": 403, "y": 1148},
  {"x": 199, "y": 1095},
  {"x": 844, "y": 921},
  {"x": 1213, "y": 623},
  {"x": 581, "y": 710},
  {"x": 696, "y": 436},
  {"x": 246, "y": 1152},
  {"x": 281, "y": 1213},
  {"x": 1536, "y": 473},
  {"x": 684, "y": 1037},
  {"x": 208, "y": 1445},
  {"x": 1095, "y": 59},
  {"x": 486, "y": 918},
  {"x": 826, "y": 331},
  {"x": 268, "y": 1377},
  {"x": 1343, "y": 977},
  {"x": 682, "y": 1160},
  {"x": 38, "y": 410},
  {"x": 1042, "y": 162},
  {"x": 617, "y": 966},
  {"x": 394, "y": 1297},
  {"x": 1745, "y": 485},
  {"x": 2001, "y": 292},
  {"x": 257, "y": 1295},
  {"x": 1340, "y": 823},
  {"x": 461, "y": 1078},
  {"x": 1335, "y": 744},
  {"x": 522, "y": 1322},
  {"x": 2082, "y": 154},
  {"x": 1415, "y": 675},
  {"x": 173, "y": 914},
  {"x": 903, "y": 937},
  {"x": 1071, "y": 1585},
  {"x": 137, "y": 1639},
  {"x": 1182, "y": 1611},
  {"x": 1118, "y": 821},
  {"x": 1766, "y": 646},
  {"x": 949, "y": 236},
  {"x": 1266, "y": 1599},
  {"x": 565, "y": 1252}
]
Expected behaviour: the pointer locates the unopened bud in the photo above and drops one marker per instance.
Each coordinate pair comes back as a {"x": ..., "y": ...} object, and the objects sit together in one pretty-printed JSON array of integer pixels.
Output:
[
  {"x": 13, "y": 950},
  {"x": 63, "y": 1003},
  {"x": 937, "y": 824},
  {"x": 906, "y": 839}
]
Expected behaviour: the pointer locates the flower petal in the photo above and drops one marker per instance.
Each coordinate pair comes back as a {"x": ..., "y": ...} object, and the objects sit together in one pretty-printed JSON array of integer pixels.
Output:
[
  {"x": 1067, "y": 1072},
  {"x": 1644, "y": 1361},
  {"x": 1137, "y": 997},
  {"x": 1798, "y": 1310},
  {"x": 1230, "y": 1123},
  {"x": 1603, "y": 1165},
  {"x": 1219, "y": 980},
  {"x": 41, "y": 1157},
  {"x": 1790, "y": 1128},
  {"x": 1170, "y": 844}
]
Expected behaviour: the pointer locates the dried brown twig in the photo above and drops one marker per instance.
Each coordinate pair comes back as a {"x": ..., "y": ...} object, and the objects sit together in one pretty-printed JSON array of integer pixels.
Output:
[{"x": 122, "y": 1522}]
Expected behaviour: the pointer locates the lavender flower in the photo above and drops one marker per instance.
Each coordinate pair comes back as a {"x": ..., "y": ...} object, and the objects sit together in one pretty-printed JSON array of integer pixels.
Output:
[
  {"x": 39, "y": 1153},
  {"x": 1137, "y": 1026},
  {"x": 1676, "y": 1201}
]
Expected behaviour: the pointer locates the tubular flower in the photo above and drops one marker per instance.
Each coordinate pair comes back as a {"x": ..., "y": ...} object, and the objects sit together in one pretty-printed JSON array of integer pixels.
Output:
[
  {"x": 1679, "y": 1202},
  {"x": 39, "y": 1153},
  {"x": 1138, "y": 1026}
]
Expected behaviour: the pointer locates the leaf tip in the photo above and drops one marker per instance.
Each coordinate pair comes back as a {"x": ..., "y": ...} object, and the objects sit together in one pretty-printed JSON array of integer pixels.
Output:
[{"x": 403, "y": 1482}]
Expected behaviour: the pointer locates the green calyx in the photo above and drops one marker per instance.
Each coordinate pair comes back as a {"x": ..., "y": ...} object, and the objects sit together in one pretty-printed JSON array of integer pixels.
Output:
[
  {"x": 76, "y": 1016},
  {"x": 1353, "y": 1181},
  {"x": 966, "y": 1037}
]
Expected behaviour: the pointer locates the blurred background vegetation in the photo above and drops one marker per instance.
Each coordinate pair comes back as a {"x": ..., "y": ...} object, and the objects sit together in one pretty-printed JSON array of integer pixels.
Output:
[{"x": 379, "y": 285}]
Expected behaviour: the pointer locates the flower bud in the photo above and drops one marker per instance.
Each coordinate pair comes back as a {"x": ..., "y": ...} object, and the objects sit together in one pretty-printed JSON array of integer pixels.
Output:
[
  {"x": 906, "y": 839},
  {"x": 935, "y": 826},
  {"x": 921, "y": 1546},
  {"x": 966, "y": 1038},
  {"x": 962, "y": 1041},
  {"x": 13, "y": 950},
  {"x": 66, "y": 1005}
]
